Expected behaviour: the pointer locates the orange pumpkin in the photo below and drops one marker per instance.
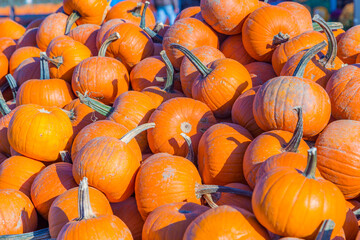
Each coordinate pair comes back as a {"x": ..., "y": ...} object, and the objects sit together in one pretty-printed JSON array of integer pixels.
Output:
[
  {"x": 4, "y": 67},
  {"x": 28, "y": 39},
  {"x": 303, "y": 16},
  {"x": 236, "y": 200},
  {"x": 35, "y": 23},
  {"x": 22, "y": 54},
  {"x": 7, "y": 46},
  {"x": 28, "y": 69},
  {"x": 4, "y": 124},
  {"x": 188, "y": 12},
  {"x": 233, "y": 47},
  {"x": 104, "y": 29},
  {"x": 11, "y": 29},
  {"x": 86, "y": 34},
  {"x": 260, "y": 72},
  {"x": 348, "y": 47}
]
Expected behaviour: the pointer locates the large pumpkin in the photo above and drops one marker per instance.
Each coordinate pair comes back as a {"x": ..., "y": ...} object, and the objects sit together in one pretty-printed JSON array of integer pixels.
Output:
[
  {"x": 233, "y": 47},
  {"x": 104, "y": 29},
  {"x": 348, "y": 48}
]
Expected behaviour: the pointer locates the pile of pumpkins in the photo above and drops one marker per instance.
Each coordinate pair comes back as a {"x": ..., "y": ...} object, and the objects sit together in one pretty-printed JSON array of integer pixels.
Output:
[{"x": 239, "y": 121}]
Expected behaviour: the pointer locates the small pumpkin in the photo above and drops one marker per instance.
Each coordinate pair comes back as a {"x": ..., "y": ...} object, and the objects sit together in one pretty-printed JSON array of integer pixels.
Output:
[
  {"x": 233, "y": 47},
  {"x": 86, "y": 34},
  {"x": 348, "y": 48},
  {"x": 260, "y": 72},
  {"x": 28, "y": 39},
  {"x": 11, "y": 29},
  {"x": 20, "y": 55},
  {"x": 28, "y": 69},
  {"x": 188, "y": 12},
  {"x": 7, "y": 46}
]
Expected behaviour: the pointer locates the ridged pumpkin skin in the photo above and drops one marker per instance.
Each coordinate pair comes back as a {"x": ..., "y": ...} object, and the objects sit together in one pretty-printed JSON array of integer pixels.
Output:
[
  {"x": 28, "y": 39},
  {"x": 7, "y": 46},
  {"x": 127, "y": 211},
  {"x": 233, "y": 47},
  {"x": 4, "y": 125},
  {"x": 18, "y": 173},
  {"x": 48, "y": 131},
  {"x": 157, "y": 185},
  {"x": 22, "y": 54},
  {"x": 234, "y": 199},
  {"x": 86, "y": 34},
  {"x": 4, "y": 67},
  {"x": 65, "y": 208},
  {"x": 221, "y": 152},
  {"x": 342, "y": 88},
  {"x": 262, "y": 26},
  {"x": 275, "y": 100},
  {"x": 50, "y": 183},
  {"x": 227, "y": 17},
  {"x": 348, "y": 47},
  {"x": 188, "y": 71},
  {"x": 260, "y": 72},
  {"x": 170, "y": 221},
  {"x": 303, "y": 16},
  {"x": 105, "y": 27},
  {"x": 274, "y": 143},
  {"x": 226, "y": 222},
  {"x": 17, "y": 213},
  {"x": 11, "y": 29},
  {"x": 28, "y": 69},
  {"x": 176, "y": 116},
  {"x": 188, "y": 12},
  {"x": 182, "y": 32},
  {"x": 338, "y": 151}
]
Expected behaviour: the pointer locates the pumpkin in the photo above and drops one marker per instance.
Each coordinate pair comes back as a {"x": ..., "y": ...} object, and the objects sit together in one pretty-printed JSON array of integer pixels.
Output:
[
  {"x": 233, "y": 47},
  {"x": 337, "y": 155},
  {"x": 86, "y": 34},
  {"x": 350, "y": 226},
  {"x": 170, "y": 221},
  {"x": 64, "y": 54},
  {"x": 7, "y": 46},
  {"x": 276, "y": 141},
  {"x": 18, "y": 214},
  {"x": 292, "y": 195},
  {"x": 338, "y": 33},
  {"x": 188, "y": 12},
  {"x": 265, "y": 29},
  {"x": 4, "y": 66},
  {"x": 239, "y": 201},
  {"x": 50, "y": 183},
  {"x": 108, "y": 226},
  {"x": 51, "y": 27},
  {"x": 102, "y": 77},
  {"x": 303, "y": 16},
  {"x": 4, "y": 124},
  {"x": 226, "y": 221},
  {"x": 11, "y": 29},
  {"x": 14, "y": 89},
  {"x": 50, "y": 92},
  {"x": 260, "y": 72},
  {"x": 104, "y": 29},
  {"x": 65, "y": 208},
  {"x": 182, "y": 32},
  {"x": 28, "y": 39},
  {"x": 20, "y": 55},
  {"x": 117, "y": 183},
  {"x": 348, "y": 48},
  {"x": 28, "y": 69},
  {"x": 35, "y": 23},
  {"x": 40, "y": 132}
]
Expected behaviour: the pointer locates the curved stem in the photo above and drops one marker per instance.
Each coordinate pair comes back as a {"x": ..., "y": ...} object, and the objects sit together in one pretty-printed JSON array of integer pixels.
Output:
[
  {"x": 311, "y": 164},
  {"x": 13, "y": 85},
  {"x": 40, "y": 234},
  {"x": 70, "y": 114},
  {"x": 136, "y": 10},
  {"x": 300, "y": 68},
  {"x": 328, "y": 60},
  {"x": 4, "y": 108},
  {"x": 95, "y": 105},
  {"x": 169, "y": 85},
  {"x": 44, "y": 67},
  {"x": 204, "y": 71},
  {"x": 190, "y": 155},
  {"x": 73, "y": 17},
  {"x": 158, "y": 26},
  {"x": 136, "y": 131},
  {"x": 280, "y": 38},
  {"x": 84, "y": 206},
  {"x": 332, "y": 26},
  {"x": 143, "y": 15},
  {"x": 200, "y": 190},
  {"x": 112, "y": 38},
  {"x": 326, "y": 229},
  {"x": 65, "y": 156},
  {"x": 57, "y": 61},
  {"x": 210, "y": 201},
  {"x": 294, "y": 142},
  {"x": 157, "y": 38}
]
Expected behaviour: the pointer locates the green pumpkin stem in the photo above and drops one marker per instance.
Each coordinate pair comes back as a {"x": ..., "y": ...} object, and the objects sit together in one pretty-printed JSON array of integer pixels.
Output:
[
  {"x": 65, "y": 156},
  {"x": 293, "y": 144},
  {"x": 204, "y": 71},
  {"x": 328, "y": 60},
  {"x": 70, "y": 114},
  {"x": 190, "y": 155},
  {"x": 84, "y": 206},
  {"x": 326, "y": 229},
  {"x": 280, "y": 38},
  {"x": 136, "y": 131},
  {"x": 158, "y": 26},
  {"x": 300, "y": 68},
  {"x": 73, "y": 17},
  {"x": 157, "y": 38},
  {"x": 13, "y": 85},
  {"x": 200, "y": 190},
  {"x": 39, "y": 234},
  {"x": 4, "y": 108},
  {"x": 169, "y": 84},
  {"x": 112, "y": 38},
  {"x": 357, "y": 213},
  {"x": 136, "y": 10},
  {"x": 208, "y": 198},
  {"x": 311, "y": 164},
  {"x": 44, "y": 67},
  {"x": 95, "y": 105},
  {"x": 57, "y": 61},
  {"x": 332, "y": 26}
]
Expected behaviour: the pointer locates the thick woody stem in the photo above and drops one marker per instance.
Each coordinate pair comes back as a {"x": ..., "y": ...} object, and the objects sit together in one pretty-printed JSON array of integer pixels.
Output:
[
  {"x": 136, "y": 10},
  {"x": 65, "y": 156},
  {"x": 294, "y": 142},
  {"x": 57, "y": 61},
  {"x": 136, "y": 131},
  {"x": 210, "y": 201},
  {"x": 112, "y": 38},
  {"x": 190, "y": 155},
  {"x": 44, "y": 67},
  {"x": 73, "y": 17},
  {"x": 311, "y": 165},
  {"x": 200, "y": 190},
  {"x": 13, "y": 85},
  {"x": 84, "y": 206},
  {"x": 95, "y": 105},
  {"x": 326, "y": 229},
  {"x": 280, "y": 38},
  {"x": 169, "y": 84}
]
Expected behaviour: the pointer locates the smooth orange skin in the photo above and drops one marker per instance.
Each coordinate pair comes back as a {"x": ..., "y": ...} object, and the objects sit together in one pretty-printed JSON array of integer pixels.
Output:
[
  {"x": 274, "y": 142},
  {"x": 17, "y": 213},
  {"x": 22, "y": 54},
  {"x": 219, "y": 90},
  {"x": 182, "y": 32},
  {"x": 188, "y": 71},
  {"x": 260, "y": 72},
  {"x": 7, "y": 46},
  {"x": 28, "y": 69},
  {"x": 104, "y": 29},
  {"x": 127, "y": 211},
  {"x": 227, "y": 17},
  {"x": 51, "y": 27},
  {"x": 28, "y": 39},
  {"x": 275, "y": 100},
  {"x": 35, "y": 23},
  {"x": 65, "y": 208},
  {"x": 11, "y": 29},
  {"x": 133, "y": 45},
  {"x": 170, "y": 116},
  {"x": 72, "y": 52},
  {"x": 303, "y": 16},
  {"x": 18, "y": 173},
  {"x": 234, "y": 199},
  {"x": 122, "y": 10},
  {"x": 165, "y": 178},
  {"x": 110, "y": 79},
  {"x": 221, "y": 152},
  {"x": 233, "y": 47},
  {"x": 86, "y": 34},
  {"x": 342, "y": 88},
  {"x": 4, "y": 67},
  {"x": 170, "y": 221},
  {"x": 285, "y": 51},
  {"x": 188, "y": 12},
  {"x": 348, "y": 46},
  {"x": 260, "y": 28},
  {"x": 338, "y": 149},
  {"x": 48, "y": 131},
  {"x": 50, "y": 183},
  {"x": 290, "y": 204},
  {"x": 226, "y": 222}
]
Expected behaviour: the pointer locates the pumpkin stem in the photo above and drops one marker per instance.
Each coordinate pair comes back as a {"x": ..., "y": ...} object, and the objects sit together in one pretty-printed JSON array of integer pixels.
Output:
[
  {"x": 332, "y": 26},
  {"x": 157, "y": 38},
  {"x": 311, "y": 164},
  {"x": 95, "y": 105},
  {"x": 143, "y": 17},
  {"x": 158, "y": 26},
  {"x": 70, "y": 114},
  {"x": 328, "y": 60},
  {"x": 112, "y": 38},
  {"x": 300, "y": 68},
  {"x": 204, "y": 71},
  {"x": 136, "y": 10},
  {"x": 57, "y": 61},
  {"x": 13, "y": 84},
  {"x": 266, "y": 1},
  {"x": 357, "y": 213},
  {"x": 210, "y": 201},
  {"x": 84, "y": 206},
  {"x": 280, "y": 38},
  {"x": 200, "y": 190},
  {"x": 136, "y": 131},
  {"x": 65, "y": 156},
  {"x": 294, "y": 142},
  {"x": 39, "y": 234},
  {"x": 44, "y": 67},
  {"x": 4, "y": 108},
  {"x": 190, "y": 155},
  {"x": 73, "y": 17},
  {"x": 169, "y": 84},
  {"x": 326, "y": 229}
]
